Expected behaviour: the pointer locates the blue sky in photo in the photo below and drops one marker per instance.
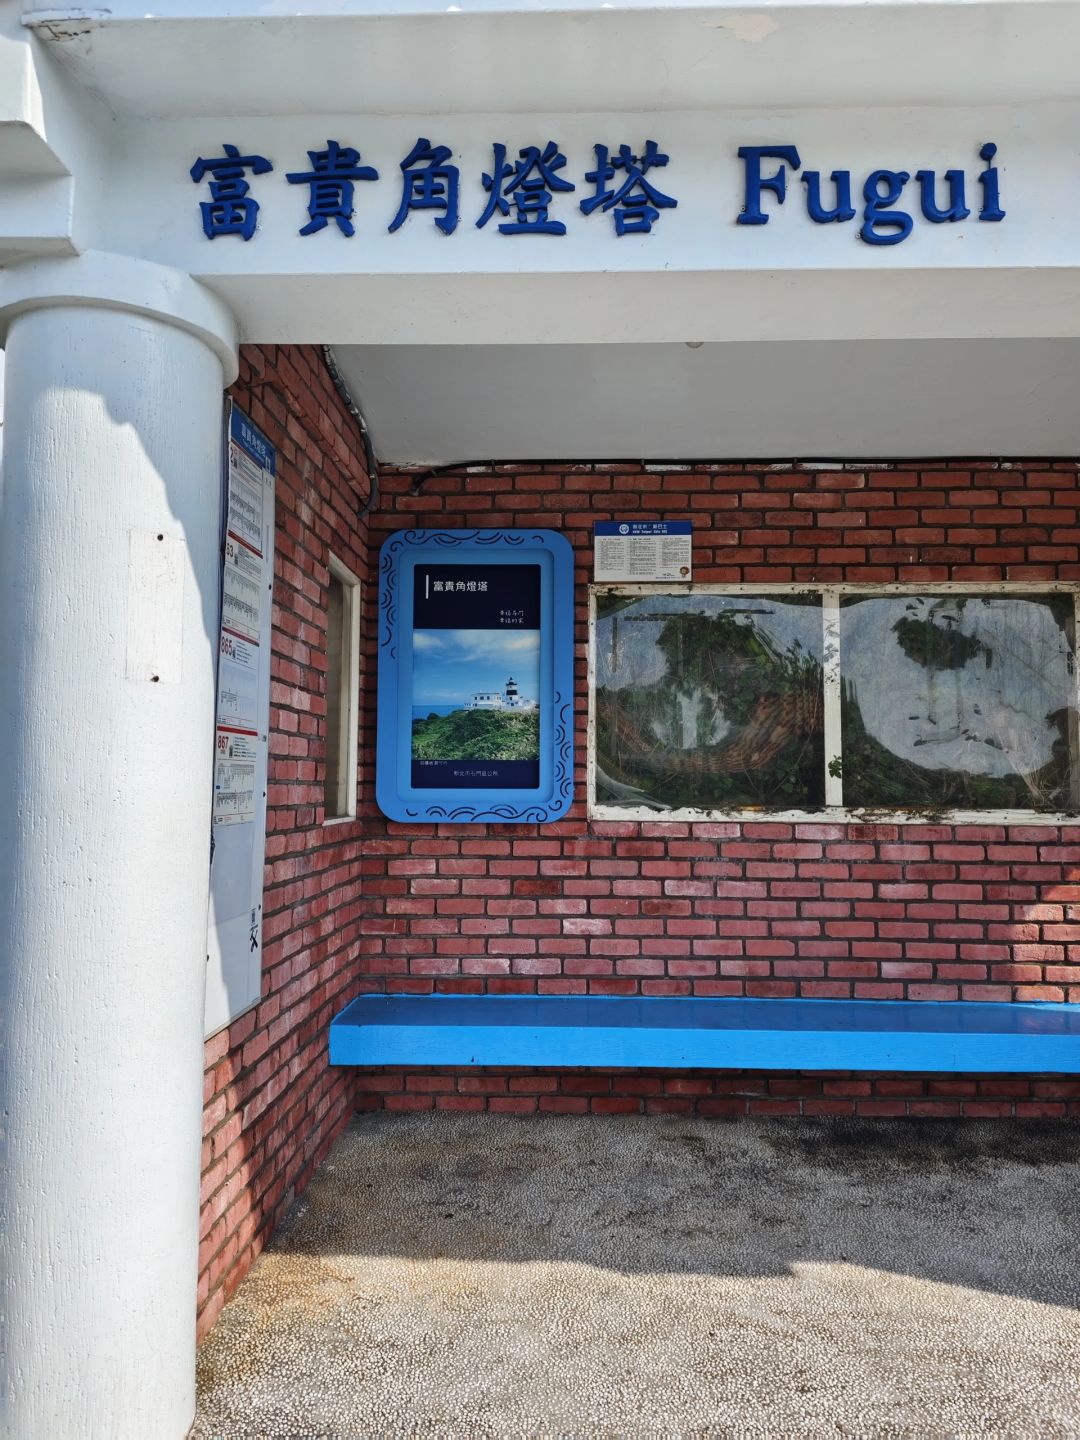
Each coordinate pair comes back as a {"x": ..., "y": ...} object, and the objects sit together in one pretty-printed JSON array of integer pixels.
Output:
[{"x": 450, "y": 666}]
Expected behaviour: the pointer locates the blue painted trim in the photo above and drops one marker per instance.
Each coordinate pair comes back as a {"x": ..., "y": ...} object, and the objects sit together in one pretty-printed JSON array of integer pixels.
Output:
[
  {"x": 250, "y": 438},
  {"x": 707, "y": 1034},
  {"x": 551, "y": 798}
]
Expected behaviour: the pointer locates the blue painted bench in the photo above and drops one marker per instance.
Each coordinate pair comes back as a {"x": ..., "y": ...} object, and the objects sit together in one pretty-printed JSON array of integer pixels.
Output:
[{"x": 711, "y": 1034}]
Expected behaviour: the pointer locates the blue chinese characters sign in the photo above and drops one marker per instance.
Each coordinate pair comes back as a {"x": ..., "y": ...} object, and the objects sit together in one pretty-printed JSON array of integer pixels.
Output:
[
  {"x": 527, "y": 191},
  {"x": 475, "y": 675}
]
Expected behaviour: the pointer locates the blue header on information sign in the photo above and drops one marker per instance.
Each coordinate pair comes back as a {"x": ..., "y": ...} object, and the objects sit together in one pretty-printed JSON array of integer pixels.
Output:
[
  {"x": 643, "y": 527},
  {"x": 250, "y": 438}
]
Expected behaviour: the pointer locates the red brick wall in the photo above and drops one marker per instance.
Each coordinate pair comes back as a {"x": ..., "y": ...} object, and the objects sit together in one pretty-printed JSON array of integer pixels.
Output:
[
  {"x": 923, "y": 911},
  {"x": 932, "y": 912},
  {"x": 273, "y": 1105}
]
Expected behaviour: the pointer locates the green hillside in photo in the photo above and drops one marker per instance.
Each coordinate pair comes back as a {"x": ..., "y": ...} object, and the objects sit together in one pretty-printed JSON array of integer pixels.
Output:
[{"x": 478, "y": 735}]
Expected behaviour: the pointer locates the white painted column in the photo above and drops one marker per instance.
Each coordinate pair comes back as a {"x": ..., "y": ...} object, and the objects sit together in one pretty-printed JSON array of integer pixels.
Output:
[{"x": 109, "y": 514}]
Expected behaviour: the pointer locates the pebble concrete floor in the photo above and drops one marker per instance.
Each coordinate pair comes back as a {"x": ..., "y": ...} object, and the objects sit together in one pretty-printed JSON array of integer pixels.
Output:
[{"x": 487, "y": 1275}]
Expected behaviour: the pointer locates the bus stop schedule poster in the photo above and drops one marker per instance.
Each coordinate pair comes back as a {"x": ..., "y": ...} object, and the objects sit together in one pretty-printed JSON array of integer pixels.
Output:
[
  {"x": 241, "y": 754},
  {"x": 475, "y": 676}
]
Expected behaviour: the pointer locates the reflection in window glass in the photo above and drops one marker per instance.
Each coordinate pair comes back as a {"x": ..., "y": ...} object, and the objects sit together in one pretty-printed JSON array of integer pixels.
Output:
[
  {"x": 709, "y": 701},
  {"x": 955, "y": 701}
]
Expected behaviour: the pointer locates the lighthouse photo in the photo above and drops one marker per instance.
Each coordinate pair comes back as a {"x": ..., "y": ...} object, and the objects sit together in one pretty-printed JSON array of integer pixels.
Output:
[
  {"x": 476, "y": 687},
  {"x": 509, "y": 698}
]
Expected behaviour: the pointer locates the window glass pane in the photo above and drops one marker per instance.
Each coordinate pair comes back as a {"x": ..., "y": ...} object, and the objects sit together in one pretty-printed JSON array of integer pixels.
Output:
[
  {"x": 334, "y": 794},
  {"x": 958, "y": 701},
  {"x": 709, "y": 701}
]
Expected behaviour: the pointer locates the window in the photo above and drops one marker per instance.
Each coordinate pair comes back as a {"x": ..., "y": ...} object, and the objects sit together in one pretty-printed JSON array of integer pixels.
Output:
[
  {"x": 342, "y": 692},
  {"x": 831, "y": 698}
]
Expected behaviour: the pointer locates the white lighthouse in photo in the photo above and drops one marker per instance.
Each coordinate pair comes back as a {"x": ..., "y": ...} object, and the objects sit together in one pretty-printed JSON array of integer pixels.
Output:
[{"x": 507, "y": 699}]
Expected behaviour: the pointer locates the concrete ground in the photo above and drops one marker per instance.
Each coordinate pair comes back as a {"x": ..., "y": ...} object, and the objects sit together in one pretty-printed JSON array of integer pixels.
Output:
[{"x": 493, "y": 1276}]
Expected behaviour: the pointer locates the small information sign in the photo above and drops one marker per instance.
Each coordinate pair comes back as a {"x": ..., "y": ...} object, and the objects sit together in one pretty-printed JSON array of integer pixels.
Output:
[{"x": 642, "y": 550}]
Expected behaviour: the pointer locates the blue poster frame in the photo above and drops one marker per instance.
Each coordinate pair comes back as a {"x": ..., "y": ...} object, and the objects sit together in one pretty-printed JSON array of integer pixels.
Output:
[{"x": 397, "y": 796}]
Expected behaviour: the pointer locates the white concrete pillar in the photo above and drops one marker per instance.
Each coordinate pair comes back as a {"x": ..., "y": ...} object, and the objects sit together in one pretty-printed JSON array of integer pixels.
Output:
[{"x": 109, "y": 514}]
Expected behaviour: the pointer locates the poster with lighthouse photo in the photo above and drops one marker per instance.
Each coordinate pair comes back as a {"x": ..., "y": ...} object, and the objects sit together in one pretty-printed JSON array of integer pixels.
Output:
[{"x": 476, "y": 676}]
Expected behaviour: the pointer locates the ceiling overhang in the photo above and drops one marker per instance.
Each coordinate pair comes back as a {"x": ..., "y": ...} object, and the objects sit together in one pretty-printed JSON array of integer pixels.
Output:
[
  {"x": 808, "y": 400},
  {"x": 706, "y": 338},
  {"x": 262, "y": 57}
]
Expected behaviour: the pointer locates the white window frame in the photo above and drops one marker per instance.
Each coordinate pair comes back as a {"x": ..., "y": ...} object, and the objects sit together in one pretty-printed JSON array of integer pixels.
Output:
[
  {"x": 834, "y": 808},
  {"x": 349, "y": 737}
]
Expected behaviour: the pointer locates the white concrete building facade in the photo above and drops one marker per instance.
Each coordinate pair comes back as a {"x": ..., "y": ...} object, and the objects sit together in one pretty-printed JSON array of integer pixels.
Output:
[{"x": 753, "y": 316}]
